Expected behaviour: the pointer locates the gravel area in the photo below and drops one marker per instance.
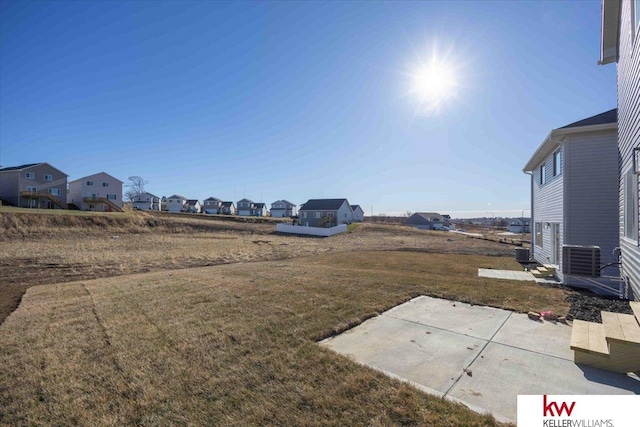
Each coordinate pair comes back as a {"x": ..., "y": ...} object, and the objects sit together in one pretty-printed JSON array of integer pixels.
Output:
[{"x": 587, "y": 306}]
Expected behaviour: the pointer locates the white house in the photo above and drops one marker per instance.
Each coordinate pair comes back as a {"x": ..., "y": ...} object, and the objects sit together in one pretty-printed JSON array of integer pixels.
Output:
[
  {"x": 193, "y": 206},
  {"x": 246, "y": 207},
  {"x": 283, "y": 209},
  {"x": 620, "y": 42},
  {"x": 212, "y": 206},
  {"x": 98, "y": 192},
  {"x": 358, "y": 213},
  {"x": 176, "y": 203},
  {"x": 574, "y": 196},
  {"x": 146, "y": 202},
  {"x": 519, "y": 225}
]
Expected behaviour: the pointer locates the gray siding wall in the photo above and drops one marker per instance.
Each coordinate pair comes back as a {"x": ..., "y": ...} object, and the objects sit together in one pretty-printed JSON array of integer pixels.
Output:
[
  {"x": 18, "y": 182},
  {"x": 548, "y": 206},
  {"x": 628, "y": 133},
  {"x": 9, "y": 186},
  {"x": 591, "y": 193}
]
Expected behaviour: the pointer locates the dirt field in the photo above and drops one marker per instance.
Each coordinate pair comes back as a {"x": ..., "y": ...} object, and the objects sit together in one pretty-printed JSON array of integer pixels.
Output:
[{"x": 144, "y": 320}]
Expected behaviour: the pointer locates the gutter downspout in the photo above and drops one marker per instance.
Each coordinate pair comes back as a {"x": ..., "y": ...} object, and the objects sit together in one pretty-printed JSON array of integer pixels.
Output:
[{"x": 531, "y": 221}]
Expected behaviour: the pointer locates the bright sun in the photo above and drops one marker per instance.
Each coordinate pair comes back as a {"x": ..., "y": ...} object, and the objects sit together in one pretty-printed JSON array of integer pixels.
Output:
[{"x": 434, "y": 82}]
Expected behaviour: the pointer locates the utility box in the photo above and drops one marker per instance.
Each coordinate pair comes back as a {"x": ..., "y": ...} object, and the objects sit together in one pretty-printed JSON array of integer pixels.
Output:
[{"x": 522, "y": 254}]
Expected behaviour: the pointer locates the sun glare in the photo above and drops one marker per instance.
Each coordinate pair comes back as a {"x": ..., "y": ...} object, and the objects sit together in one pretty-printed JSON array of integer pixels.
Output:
[{"x": 433, "y": 82}]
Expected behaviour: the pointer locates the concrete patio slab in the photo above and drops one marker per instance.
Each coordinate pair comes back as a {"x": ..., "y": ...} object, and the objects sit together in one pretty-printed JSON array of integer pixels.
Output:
[
  {"x": 525, "y": 276},
  {"x": 480, "y": 356}
]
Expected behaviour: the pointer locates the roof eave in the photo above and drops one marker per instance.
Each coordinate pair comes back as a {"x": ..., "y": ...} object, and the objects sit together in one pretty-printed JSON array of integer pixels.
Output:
[
  {"x": 554, "y": 140},
  {"x": 610, "y": 32}
]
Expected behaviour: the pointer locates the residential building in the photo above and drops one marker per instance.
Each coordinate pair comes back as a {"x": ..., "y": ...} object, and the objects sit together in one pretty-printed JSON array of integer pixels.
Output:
[
  {"x": 176, "y": 203},
  {"x": 211, "y": 205},
  {"x": 620, "y": 42},
  {"x": 428, "y": 221},
  {"x": 325, "y": 213},
  {"x": 98, "y": 192},
  {"x": 519, "y": 225},
  {"x": 358, "y": 213},
  {"x": 246, "y": 207},
  {"x": 193, "y": 206},
  {"x": 283, "y": 209},
  {"x": 228, "y": 208},
  {"x": 146, "y": 202},
  {"x": 34, "y": 185},
  {"x": 260, "y": 209},
  {"x": 574, "y": 196}
]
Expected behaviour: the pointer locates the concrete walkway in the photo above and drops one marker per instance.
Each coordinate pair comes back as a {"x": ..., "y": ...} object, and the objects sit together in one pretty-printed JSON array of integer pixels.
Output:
[
  {"x": 523, "y": 276},
  {"x": 480, "y": 356}
]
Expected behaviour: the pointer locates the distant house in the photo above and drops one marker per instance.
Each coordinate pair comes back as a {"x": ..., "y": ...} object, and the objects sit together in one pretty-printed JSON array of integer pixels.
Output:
[
  {"x": 358, "y": 213},
  {"x": 163, "y": 204},
  {"x": 211, "y": 206},
  {"x": 176, "y": 203},
  {"x": 192, "y": 206},
  {"x": 519, "y": 225},
  {"x": 620, "y": 42},
  {"x": 98, "y": 192},
  {"x": 228, "y": 208},
  {"x": 325, "y": 212},
  {"x": 260, "y": 209},
  {"x": 34, "y": 185},
  {"x": 428, "y": 221},
  {"x": 146, "y": 202},
  {"x": 246, "y": 207},
  {"x": 574, "y": 191},
  {"x": 283, "y": 209}
]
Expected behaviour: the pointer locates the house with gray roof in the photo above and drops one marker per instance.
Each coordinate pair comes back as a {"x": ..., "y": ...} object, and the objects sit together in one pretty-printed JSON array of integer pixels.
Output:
[
  {"x": 146, "y": 202},
  {"x": 428, "y": 221},
  {"x": 193, "y": 206},
  {"x": 246, "y": 207},
  {"x": 176, "y": 203},
  {"x": 358, "y": 213},
  {"x": 227, "y": 208},
  {"x": 34, "y": 185},
  {"x": 283, "y": 209},
  {"x": 99, "y": 192},
  {"x": 325, "y": 213},
  {"x": 211, "y": 206},
  {"x": 260, "y": 209},
  {"x": 574, "y": 196}
]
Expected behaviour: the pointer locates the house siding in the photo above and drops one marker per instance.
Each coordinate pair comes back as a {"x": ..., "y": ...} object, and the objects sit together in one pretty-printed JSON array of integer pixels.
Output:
[
  {"x": 15, "y": 182},
  {"x": 342, "y": 215},
  {"x": 78, "y": 190},
  {"x": 628, "y": 134},
  {"x": 548, "y": 207},
  {"x": 591, "y": 182}
]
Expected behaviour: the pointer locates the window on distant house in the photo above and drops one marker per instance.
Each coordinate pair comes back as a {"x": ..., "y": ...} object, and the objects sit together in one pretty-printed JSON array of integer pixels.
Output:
[
  {"x": 539, "y": 234},
  {"x": 54, "y": 191},
  {"x": 631, "y": 205},
  {"x": 543, "y": 174},
  {"x": 30, "y": 175},
  {"x": 105, "y": 184},
  {"x": 48, "y": 177},
  {"x": 556, "y": 163},
  {"x": 89, "y": 183},
  {"x": 304, "y": 214},
  {"x": 32, "y": 188},
  {"x": 111, "y": 197},
  {"x": 317, "y": 215}
]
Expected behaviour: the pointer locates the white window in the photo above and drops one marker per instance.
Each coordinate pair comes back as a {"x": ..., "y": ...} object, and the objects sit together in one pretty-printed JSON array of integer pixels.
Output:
[
  {"x": 54, "y": 191},
  {"x": 30, "y": 175},
  {"x": 48, "y": 177},
  {"x": 105, "y": 184},
  {"x": 539, "y": 234},
  {"x": 317, "y": 215},
  {"x": 556, "y": 163},
  {"x": 89, "y": 183},
  {"x": 631, "y": 205},
  {"x": 32, "y": 188},
  {"x": 543, "y": 174},
  {"x": 304, "y": 214},
  {"x": 111, "y": 197}
]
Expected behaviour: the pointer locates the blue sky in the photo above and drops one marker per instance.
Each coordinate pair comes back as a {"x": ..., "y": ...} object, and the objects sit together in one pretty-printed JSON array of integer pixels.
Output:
[{"x": 299, "y": 100}]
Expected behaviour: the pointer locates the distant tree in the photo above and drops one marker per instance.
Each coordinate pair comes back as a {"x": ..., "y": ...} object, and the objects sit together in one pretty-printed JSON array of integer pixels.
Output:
[
  {"x": 134, "y": 187},
  {"x": 408, "y": 214}
]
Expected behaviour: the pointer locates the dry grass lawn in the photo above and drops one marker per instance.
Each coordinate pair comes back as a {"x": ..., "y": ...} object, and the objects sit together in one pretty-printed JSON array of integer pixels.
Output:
[{"x": 122, "y": 333}]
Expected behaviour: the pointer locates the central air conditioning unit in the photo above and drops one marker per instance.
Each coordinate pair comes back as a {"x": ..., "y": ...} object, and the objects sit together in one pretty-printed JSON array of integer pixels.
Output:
[
  {"x": 581, "y": 260},
  {"x": 522, "y": 254}
]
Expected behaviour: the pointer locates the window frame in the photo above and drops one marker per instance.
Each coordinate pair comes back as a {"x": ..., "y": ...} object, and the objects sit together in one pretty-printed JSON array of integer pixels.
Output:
[
  {"x": 543, "y": 173},
  {"x": 538, "y": 240},
  {"x": 112, "y": 197},
  {"x": 557, "y": 163},
  {"x": 55, "y": 191},
  {"x": 105, "y": 184},
  {"x": 30, "y": 175},
  {"x": 630, "y": 230},
  {"x": 48, "y": 177},
  {"x": 89, "y": 183}
]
